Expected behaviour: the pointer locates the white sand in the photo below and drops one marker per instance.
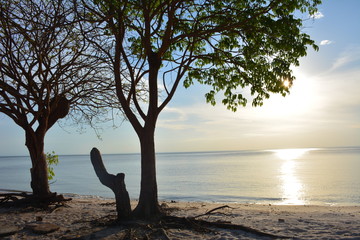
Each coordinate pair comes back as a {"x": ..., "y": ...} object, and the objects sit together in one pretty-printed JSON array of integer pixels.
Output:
[{"x": 301, "y": 222}]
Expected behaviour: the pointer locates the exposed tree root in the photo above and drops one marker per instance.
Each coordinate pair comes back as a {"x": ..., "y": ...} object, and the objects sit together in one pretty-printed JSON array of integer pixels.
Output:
[
  {"x": 157, "y": 228},
  {"x": 24, "y": 199},
  {"x": 206, "y": 226}
]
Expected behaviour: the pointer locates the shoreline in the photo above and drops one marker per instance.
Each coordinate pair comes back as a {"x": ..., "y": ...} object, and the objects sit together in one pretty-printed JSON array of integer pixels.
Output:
[
  {"x": 180, "y": 200},
  {"x": 195, "y": 200},
  {"x": 75, "y": 220}
]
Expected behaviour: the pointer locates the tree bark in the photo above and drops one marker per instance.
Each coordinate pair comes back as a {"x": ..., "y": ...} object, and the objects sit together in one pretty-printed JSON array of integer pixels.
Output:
[
  {"x": 39, "y": 172},
  {"x": 58, "y": 108},
  {"x": 115, "y": 183},
  {"x": 148, "y": 205}
]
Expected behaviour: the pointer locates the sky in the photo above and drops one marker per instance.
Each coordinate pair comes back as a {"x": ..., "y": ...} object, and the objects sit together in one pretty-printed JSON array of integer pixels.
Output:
[{"x": 322, "y": 110}]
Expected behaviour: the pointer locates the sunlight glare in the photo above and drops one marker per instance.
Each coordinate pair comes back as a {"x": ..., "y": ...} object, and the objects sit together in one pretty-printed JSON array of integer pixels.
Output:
[
  {"x": 291, "y": 154},
  {"x": 291, "y": 187},
  {"x": 303, "y": 99},
  {"x": 286, "y": 83}
]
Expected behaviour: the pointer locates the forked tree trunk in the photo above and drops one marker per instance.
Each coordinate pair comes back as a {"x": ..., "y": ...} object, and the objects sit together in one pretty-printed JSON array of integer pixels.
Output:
[
  {"x": 148, "y": 205},
  {"x": 39, "y": 172},
  {"x": 58, "y": 108},
  {"x": 115, "y": 183}
]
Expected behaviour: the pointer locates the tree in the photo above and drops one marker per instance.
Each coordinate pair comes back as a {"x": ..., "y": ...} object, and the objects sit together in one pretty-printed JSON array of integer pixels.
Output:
[
  {"x": 229, "y": 45},
  {"x": 45, "y": 72}
]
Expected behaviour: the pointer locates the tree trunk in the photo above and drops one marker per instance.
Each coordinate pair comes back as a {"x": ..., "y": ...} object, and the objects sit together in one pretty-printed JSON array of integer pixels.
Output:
[
  {"x": 39, "y": 172},
  {"x": 148, "y": 205},
  {"x": 115, "y": 183}
]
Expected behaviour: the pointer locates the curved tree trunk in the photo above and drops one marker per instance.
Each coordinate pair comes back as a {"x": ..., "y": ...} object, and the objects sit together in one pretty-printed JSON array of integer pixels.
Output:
[
  {"x": 148, "y": 205},
  {"x": 115, "y": 183},
  {"x": 39, "y": 172}
]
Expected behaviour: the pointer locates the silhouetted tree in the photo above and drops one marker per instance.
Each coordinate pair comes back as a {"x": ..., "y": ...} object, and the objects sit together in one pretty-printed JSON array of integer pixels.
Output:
[
  {"x": 45, "y": 72},
  {"x": 229, "y": 45}
]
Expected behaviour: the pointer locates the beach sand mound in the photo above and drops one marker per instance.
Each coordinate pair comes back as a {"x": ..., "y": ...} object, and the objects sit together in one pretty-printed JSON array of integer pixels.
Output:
[{"x": 94, "y": 218}]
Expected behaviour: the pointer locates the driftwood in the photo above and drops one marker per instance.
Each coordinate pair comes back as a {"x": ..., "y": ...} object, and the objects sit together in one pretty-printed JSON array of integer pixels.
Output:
[
  {"x": 212, "y": 211},
  {"x": 115, "y": 183}
]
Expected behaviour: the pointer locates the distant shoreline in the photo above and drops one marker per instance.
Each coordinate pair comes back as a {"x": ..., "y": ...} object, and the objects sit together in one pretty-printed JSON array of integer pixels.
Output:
[{"x": 199, "y": 151}]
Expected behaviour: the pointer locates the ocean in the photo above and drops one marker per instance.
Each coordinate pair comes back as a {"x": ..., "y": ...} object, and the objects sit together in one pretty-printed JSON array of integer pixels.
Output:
[{"x": 321, "y": 176}]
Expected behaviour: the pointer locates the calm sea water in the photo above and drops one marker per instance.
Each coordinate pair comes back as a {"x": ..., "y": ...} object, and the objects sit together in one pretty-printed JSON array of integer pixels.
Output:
[{"x": 285, "y": 176}]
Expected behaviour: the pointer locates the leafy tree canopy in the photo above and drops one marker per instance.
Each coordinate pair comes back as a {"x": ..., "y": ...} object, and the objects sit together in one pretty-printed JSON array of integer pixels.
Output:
[{"x": 227, "y": 44}]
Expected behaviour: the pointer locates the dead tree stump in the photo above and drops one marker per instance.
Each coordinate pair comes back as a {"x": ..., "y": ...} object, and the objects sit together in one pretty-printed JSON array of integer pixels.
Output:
[{"x": 115, "y": 183}]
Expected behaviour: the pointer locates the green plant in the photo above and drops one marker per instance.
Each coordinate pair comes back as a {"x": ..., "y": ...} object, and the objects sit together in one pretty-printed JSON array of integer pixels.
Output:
[{"x": 51, "y": 160}]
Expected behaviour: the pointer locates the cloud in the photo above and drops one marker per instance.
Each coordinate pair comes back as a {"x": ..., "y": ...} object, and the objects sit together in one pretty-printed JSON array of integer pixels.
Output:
[
  {"x": 317, "y": 15},
  {"x": 173, "y": 118},
  {"x": 326, "y": 42},
  {"x": 347, "y": 58}
]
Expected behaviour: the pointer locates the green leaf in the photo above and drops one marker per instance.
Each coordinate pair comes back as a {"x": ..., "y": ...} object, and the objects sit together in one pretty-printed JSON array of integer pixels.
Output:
[{"x": 51, "y": 160}]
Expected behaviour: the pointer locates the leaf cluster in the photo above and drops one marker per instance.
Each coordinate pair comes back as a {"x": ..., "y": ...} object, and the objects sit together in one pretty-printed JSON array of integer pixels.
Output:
[
  {"x": 255, "y": 46},
  {"x": 230, "y": 45},
  {"x": 51, "y": 159}
]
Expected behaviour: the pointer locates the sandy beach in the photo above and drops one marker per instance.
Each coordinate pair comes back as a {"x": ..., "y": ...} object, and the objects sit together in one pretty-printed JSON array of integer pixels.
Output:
[{"x": 88, "y": 218}]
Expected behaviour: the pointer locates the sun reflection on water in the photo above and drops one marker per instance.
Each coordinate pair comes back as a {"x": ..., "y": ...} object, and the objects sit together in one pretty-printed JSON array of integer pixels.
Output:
[
  {"x": 291, "y": 154},
  {"x": 292, "y": 188}
]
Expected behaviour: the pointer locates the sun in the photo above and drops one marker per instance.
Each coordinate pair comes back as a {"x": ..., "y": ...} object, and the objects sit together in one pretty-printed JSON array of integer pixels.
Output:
[
  {"x": 286, "y": 83},
  {"x": 302, "y": 99},
  {"x": 291, "y": 154}
]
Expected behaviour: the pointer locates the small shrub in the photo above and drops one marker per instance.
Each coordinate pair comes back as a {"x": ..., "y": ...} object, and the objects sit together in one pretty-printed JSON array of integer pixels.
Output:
[{"x": 51, "y": 160}]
